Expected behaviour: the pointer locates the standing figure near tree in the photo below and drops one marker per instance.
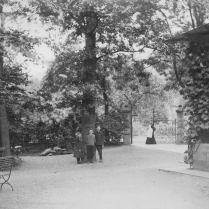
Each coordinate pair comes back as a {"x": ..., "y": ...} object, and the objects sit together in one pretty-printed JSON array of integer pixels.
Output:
[
  {"x": 150, "y": 135},
  {"x": 90, "y": 141},
  {"x": 99, "y": 136},
  {"x": 78, "y": 148}
]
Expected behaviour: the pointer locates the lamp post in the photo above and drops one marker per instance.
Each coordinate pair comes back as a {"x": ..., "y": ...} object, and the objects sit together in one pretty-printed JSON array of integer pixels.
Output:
[
  {"x": 131, "y": 124},
  {"x": 180, "y": 125},
  {"x": 133, "y": 113},
  {"x": 153, "y": 120}
]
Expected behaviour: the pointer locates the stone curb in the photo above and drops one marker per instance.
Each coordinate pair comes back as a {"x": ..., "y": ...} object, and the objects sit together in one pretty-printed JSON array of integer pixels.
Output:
[
  {"x": 181, "y": 149},
  {"x": 186, "y": 171}
]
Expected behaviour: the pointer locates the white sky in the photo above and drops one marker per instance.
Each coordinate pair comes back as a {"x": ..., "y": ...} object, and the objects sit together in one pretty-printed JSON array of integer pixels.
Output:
[
  {"x": 36, "y": 29},
  {"x": 38, "y": 71}
]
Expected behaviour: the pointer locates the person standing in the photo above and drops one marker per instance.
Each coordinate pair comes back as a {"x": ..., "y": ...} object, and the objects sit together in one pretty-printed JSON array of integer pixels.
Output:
[
  {"x": 78, "y": 148},
  {"x": 99, "y": 136},
  {"x": 150, "y": 135},
  {"x": 90, "y": 141}
]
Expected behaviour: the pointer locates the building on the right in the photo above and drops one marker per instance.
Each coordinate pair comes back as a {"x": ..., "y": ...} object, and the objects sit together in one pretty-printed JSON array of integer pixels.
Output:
[{"x": 196, "y": 92}]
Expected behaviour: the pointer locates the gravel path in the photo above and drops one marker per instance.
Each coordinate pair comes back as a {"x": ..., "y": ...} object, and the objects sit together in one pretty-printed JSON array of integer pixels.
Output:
[{"x": 128, "y": 178}]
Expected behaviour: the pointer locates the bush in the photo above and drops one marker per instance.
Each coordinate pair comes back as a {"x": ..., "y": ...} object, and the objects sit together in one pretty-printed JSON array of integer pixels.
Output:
[{"x": 113, "y": 124}]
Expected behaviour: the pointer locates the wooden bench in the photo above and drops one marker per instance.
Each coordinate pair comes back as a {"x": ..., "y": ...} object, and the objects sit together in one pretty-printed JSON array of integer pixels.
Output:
[
  {"x": 6, "y": 164},
  {"x": 2, "y": 151}
]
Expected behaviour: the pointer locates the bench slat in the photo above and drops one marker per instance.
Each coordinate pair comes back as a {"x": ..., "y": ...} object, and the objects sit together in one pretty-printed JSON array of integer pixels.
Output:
[
  {"x": 6, "y": 158},
  {"x": 6, "y": 162},
  {"x": 4, "y": 168},
  {"x": 5, "y": 165}
]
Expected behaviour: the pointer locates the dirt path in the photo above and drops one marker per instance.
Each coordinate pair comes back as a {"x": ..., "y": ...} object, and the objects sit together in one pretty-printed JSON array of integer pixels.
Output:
[{"x": 128, "y": 178}]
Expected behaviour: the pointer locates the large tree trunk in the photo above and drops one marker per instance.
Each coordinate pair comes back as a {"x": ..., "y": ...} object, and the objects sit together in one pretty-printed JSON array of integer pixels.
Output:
[
  {"x": 89, "y": 76},
  {"x": 106, "y": 132},
  {"x": 4, "y": 128}
]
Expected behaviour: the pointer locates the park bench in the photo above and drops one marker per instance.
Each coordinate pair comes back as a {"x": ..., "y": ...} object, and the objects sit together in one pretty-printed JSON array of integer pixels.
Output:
[
  {"x": 2, "y": 151},
  {"x": 6, "y": 164}
]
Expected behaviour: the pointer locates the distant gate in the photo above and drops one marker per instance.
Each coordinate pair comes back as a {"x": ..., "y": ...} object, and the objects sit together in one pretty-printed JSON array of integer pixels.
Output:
[{"x": 165, "y": 131}]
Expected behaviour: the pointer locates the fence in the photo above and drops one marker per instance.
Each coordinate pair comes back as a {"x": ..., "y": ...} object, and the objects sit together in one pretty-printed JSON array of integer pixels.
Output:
[{"x": 166, "y": 131}]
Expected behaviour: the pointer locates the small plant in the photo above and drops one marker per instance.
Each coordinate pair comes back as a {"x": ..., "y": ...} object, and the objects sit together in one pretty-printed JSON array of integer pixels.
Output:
[{"x": 191, "y": 139}]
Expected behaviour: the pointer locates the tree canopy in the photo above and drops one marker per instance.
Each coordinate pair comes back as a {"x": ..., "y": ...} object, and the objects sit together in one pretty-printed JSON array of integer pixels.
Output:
[{"x": 95, "y": 68}]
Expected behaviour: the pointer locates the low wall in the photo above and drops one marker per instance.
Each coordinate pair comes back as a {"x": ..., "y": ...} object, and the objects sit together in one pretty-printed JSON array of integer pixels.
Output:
[
  {"x": 126, "y": 139},
  {"x": 201, "y": 157}
]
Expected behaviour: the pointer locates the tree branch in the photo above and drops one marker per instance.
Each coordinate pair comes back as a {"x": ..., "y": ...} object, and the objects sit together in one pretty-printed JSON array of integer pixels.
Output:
[
  {"x": 174, "y": 84},
  {"x": 138, "y": 98},
  {"x": 190, "y": 12},
  {"x": 176, "y": 71},
  {"x": 96, "y": 25},
  {"x": 128, "y": 99},
  {"x": 166, "y": 19},
  {"x": 148, "y": 92},
  {"x": 72, "y": 3},
  {"x": 118, "y": 51},
  {"x": 110, "y": 104},
  {"x": 114, "y": 107},
  {"x": 75, "y": 19}
]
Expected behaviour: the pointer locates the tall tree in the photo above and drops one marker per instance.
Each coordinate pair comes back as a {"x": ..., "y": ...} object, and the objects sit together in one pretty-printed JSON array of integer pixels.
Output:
[
  {"x": 179, "y": 16},
  {"x": 188, "y": 13},
  {"x": 4, "y": 128},
  {"x": 12, "y": 42},
  {"x": 106, "y": 28}
]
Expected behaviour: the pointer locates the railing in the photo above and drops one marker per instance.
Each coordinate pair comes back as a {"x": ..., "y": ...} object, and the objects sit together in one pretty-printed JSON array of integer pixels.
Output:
[{"x": 165, "y": 131}]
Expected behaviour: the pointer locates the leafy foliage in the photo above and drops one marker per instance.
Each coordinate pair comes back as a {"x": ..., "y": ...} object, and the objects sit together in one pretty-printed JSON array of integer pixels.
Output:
[
  {"x": 86, "y": 75},
  {"x": 13, "y": 43},
  {"x": 196, "y": 90},
  {"x": 178, "y": 16}
]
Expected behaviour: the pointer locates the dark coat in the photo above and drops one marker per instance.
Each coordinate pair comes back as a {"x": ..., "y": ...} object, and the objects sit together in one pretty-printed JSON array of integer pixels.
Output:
[
  {"x": 149, "y": 139},
  {"x": 79, "y": 150},
  {"x": 99, "y": 136}
]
